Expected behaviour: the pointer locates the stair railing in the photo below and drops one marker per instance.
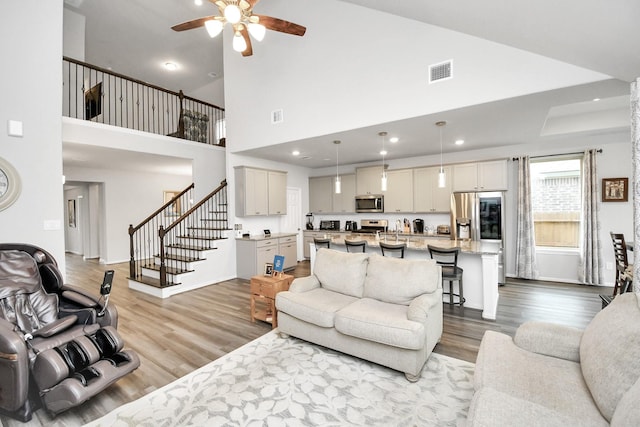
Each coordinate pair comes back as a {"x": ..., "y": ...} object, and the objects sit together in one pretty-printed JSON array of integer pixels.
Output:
[
  {"x": 143, "y": 242},
  {"x": 189, "y": 232},
  {"x": 196, "y": 230}
]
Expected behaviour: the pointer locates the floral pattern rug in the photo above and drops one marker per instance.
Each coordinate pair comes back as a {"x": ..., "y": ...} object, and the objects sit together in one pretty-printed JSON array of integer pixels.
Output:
[{"x": 273, "y": 381}]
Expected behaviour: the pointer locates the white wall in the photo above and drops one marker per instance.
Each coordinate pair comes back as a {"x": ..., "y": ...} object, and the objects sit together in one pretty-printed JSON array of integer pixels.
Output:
[
  {"x": 212, "y": 93},
  {"x": 73, "y": 34},
  {"x": 126, "y": 204},
  {"x": 358, "y": 67},
  {"x": 31, "y": 34}
]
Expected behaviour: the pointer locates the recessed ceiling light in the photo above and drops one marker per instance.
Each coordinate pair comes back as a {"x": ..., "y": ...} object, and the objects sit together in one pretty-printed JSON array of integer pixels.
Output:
[
  {"x": 383, "y": 152},
  {"x": 459, "y": 141},
  {"x": 394, "y": 139},
  {"x": 596, "y": 99},
  {"x": 171, "y": 66},
  {"x": 198, "y": 2},
  {"x": 295, "y": 152}
]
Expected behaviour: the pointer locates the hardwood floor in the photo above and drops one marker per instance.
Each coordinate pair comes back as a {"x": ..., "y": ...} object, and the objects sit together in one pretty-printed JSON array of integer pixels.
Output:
[{"x": 177, "y": 335}]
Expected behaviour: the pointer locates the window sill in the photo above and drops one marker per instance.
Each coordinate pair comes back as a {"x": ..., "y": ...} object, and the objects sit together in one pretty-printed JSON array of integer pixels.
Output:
[{"x": 556, "y": 250}]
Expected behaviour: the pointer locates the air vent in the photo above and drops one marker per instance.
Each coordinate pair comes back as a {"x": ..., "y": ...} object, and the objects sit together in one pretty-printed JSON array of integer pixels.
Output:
[
  {"x": 277, "y": 116},
  {"x": 441, "y": 71}
]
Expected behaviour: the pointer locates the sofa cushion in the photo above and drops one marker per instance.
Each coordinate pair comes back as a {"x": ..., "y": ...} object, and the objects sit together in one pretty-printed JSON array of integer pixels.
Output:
[
  {"x": 610, "y": 352},
  {"x": 399, "y": 281},
  {"x": 553, "y": 383},
  {"x": 491, "y": 408},
  {"x": 341, "y": 271},
  {"x": 380, "y": 322},
  {"x": 628, "y": 411},
  {"x": 317, "y": 306}
]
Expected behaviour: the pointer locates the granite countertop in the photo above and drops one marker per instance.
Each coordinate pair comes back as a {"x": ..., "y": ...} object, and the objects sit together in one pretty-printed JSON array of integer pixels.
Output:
[
  {"x": 389, "y": 234},
  {"x": 263, "y": 237},
  {"x": 420, "y": 244}
]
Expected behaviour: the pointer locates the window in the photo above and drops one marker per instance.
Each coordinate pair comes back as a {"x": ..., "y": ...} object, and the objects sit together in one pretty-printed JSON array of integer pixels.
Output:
[{"x": 556, "y": 202}]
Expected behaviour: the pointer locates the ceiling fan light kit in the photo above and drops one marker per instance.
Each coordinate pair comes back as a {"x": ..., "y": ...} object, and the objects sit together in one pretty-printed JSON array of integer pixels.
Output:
[{"x": 239, "y": 13}]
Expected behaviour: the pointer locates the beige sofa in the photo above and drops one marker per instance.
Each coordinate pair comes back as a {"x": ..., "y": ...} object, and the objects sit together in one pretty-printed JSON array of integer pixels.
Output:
[
  {"x": 551, "y": 375},
  {"x": 385, "y": 310}
]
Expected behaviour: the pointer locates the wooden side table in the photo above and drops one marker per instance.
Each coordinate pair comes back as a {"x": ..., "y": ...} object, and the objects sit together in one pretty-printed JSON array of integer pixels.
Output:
[{"x": 263, "y": 297}]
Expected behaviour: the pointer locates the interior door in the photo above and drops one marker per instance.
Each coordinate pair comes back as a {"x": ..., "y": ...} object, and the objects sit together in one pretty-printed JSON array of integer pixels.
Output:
[{"x": 292, "y": 221}]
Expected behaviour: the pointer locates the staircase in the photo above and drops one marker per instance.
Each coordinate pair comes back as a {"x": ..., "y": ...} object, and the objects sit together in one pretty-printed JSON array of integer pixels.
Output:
[{"x": 176, "y": 250}]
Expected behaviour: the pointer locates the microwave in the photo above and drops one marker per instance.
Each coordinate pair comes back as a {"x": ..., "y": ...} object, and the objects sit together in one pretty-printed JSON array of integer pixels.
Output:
[{"x": 370, "y": 203}]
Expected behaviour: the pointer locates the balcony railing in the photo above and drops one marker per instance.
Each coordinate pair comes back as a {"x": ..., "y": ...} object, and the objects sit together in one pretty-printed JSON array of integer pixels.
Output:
[{"x": 100, "y": 95}]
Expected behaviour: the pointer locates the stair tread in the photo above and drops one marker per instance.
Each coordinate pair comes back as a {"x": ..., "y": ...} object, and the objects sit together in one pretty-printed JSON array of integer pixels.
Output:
[
  {"x": 170, "y": 270},
  {"x": 189, "y": 247},
  {"x": 181, "y": 258},
  {"x": 152, "y": 282},
  {"x": 201, "y": 238}
]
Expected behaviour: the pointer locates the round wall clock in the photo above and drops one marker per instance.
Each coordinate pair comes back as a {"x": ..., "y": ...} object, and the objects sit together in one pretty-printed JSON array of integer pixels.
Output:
[{"x": 10, "y": 185}]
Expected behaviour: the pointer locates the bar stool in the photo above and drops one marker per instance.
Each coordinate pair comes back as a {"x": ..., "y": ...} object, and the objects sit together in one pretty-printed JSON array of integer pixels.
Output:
[
  {"x": 393, "y": 249},
  {"x": 624, "y": 270},
  {"x": 322, "y": 243},
  {"x": 448, "y": 260},
  {"x": 355, "y": 245}
]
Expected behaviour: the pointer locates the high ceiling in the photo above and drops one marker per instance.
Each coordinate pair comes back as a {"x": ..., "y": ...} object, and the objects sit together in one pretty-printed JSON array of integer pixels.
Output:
[{"x": 133, "y": 37}]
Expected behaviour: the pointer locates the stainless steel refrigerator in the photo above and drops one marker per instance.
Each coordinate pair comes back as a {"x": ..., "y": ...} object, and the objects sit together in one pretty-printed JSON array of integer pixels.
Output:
[{"x": 481, "y": 217}]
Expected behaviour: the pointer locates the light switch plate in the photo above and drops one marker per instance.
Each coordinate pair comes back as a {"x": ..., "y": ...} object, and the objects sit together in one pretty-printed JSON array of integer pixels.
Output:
[{"x": 14, "y": 128}]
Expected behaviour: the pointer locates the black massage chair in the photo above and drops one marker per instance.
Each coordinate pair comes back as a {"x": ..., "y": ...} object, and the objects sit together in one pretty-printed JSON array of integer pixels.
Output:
[{"x": 58, "y": 344}]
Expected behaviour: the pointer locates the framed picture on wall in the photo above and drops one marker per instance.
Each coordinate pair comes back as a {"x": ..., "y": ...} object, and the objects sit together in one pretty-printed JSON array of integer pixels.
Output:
[
  {"x": 615, "y": 189},
  {"x": 71, "y": 208}
]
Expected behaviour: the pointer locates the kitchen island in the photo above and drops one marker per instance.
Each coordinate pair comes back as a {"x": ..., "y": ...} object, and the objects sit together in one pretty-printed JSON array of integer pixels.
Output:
[{"x": 479, "y": 260}]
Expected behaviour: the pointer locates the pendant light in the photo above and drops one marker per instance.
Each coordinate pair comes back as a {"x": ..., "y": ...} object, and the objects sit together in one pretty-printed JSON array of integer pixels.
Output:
[
  {"x": 441, "y": 177},
  {"x": 338, "y": 185},
  {"x": 383, "y": 181}
]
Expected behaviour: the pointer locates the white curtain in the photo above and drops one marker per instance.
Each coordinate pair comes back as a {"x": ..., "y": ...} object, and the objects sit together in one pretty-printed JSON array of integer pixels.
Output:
[
  {"x": 526, "y": 266},
  {"x": 590, "y": 269}
]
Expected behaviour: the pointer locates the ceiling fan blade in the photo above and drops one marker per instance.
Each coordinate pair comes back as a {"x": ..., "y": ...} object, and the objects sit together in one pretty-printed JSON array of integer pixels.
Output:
[
  {"x": 190, "y": 25},
  {"x": 281, "y": 25},
  {"x": 245, "y": 35},
  {"x": 252, "y": 2}
]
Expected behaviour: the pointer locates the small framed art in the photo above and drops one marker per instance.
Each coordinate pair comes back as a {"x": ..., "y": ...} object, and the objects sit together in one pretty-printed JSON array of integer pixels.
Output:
[
  {"x": 268, "y": 269},
  {"x": 615, "y": 189}
]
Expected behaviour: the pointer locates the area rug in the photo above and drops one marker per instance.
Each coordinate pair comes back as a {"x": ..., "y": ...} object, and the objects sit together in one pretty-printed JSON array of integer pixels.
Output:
[{"x": 273, "y": 381}]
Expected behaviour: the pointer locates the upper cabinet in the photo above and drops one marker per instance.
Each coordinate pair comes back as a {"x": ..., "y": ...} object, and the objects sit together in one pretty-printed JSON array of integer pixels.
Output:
[
  {"x": 277, "y": 192},
  {"x": 322, "y": 197},
  {"x": 399, "y": 195},
  {"x": 260, "y": 192},
  {"x": 320, "y": 194},
  {"x": 427, "y": 196},
  {"x": 345, "y": 202},
  {"x": 484, "y": 176},
  {"x": 368, "y": 180}
]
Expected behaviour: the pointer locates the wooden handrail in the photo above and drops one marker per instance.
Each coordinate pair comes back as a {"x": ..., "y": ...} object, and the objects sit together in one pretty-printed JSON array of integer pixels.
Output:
[
  {"x": 223, "y": 184},
  {"x": 133, "y": 229},
  {"x": 122, "y": 76}
]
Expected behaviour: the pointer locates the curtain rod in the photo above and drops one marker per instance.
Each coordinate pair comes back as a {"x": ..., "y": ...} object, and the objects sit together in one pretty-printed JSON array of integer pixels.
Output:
[{"x": 599, "y": 150}]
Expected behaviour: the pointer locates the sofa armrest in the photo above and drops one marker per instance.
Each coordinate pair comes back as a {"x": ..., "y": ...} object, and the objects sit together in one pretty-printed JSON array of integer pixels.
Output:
[
  {"x": 549, "y": 339},
  {"x": 420, "y": 306},
  {"x": 304, "y": 284}
]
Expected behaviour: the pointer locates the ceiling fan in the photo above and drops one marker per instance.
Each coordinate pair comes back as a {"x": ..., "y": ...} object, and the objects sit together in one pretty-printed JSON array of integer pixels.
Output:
[{"x": 239, "y": 13}]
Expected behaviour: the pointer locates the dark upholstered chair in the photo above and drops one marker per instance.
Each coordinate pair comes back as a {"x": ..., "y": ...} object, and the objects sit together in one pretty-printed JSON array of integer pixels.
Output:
[
  {"x": 58, "y": 345},
  {"x": 448, "y": 260},
  {"x": 322, "y": 243},
  {"x": 393, "y": 249},
  {"x": 355, "y": 246}
]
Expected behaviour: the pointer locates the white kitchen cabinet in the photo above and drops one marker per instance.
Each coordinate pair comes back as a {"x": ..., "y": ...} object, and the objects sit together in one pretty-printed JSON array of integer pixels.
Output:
[
  {"x": 399, "y": 195},
  {"x": 368, "y": 180},
  {"x": 277, "y": 192},
  {"x": 345, "y": 202},
  {"x": 257, "y": 189},
  {"x": 253, "y": 254},
  {"x": 484, "y": 176},
  {"x": 307, "y": 238},
  {"x": 288, "y": 247},
  {"x": 320, "y": 194},
  {"x": 427, "y": 196}
]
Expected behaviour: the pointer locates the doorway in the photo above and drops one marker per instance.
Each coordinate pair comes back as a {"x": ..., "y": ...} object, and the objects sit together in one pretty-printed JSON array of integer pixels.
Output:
[{"x": 84, "y": 210}]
